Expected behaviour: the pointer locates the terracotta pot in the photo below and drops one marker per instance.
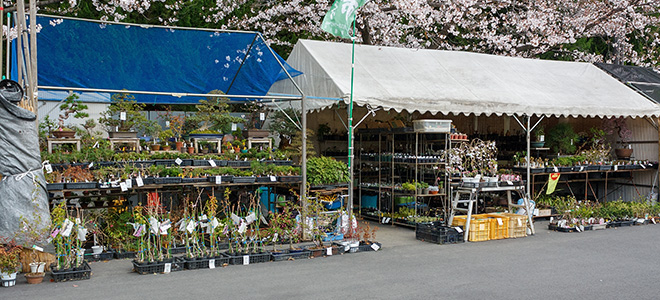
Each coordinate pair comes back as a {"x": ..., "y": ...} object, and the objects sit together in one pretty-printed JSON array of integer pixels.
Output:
[
  {"x": 178, "y": 146},
  {"x": 166, "y": 148},
  {"x": 623, "y": 153},
  {"x": 34, "y": 278},
  {"x": 191, "y": 150},
  {"x": 61, "y": 134},
  {"x": 155, "y": 147}
]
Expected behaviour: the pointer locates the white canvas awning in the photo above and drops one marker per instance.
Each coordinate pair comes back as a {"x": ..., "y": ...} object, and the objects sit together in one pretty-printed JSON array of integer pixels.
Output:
[{"x": 458, "y": 82}]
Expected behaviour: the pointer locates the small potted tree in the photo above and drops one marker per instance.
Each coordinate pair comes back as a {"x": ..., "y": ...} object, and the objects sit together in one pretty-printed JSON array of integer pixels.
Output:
[
  {"x": 153, "y": 130},
  {"x": 9, "y": 262},
  {"x": 164, "y": 138},
  {"x": 71, "y": 106},
  {"x": 123, "y": 117}
]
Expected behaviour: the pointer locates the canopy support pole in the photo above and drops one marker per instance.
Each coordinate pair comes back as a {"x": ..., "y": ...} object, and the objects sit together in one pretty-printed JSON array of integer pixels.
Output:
[
  {"x": 351, "y": 153},
  {"x": 528, "y": 131}
]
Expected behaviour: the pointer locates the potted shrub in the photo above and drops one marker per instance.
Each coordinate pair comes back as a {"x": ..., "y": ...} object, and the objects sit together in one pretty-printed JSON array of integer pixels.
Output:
[
  {"x": 562, "y": 139},
  {"x": 164, "y": 138},
  {"x": 212, "y": 118},
  {"x": 539, "y": 134},
  {"x": 153, "y": 130},
  {"x": 619, "y": 126},
  {"x": 71, "y": 106},
  {"x": 9, "y": 262},
  {"x": 123, "y": 117}
]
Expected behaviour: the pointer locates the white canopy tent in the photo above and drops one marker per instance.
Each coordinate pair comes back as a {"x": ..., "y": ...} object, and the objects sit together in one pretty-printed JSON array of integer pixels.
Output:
[{"x": 434, "y": 81}]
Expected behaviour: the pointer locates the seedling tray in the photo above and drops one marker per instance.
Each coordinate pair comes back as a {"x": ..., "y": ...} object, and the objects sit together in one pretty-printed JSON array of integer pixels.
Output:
[
  {"x": 203, "y": 262},
  {"x": 82, "y": 273},
  {"x": 237, "y": 258},
  {"x": 289, "y": 255},
  {"x": 144, "y": 268}
]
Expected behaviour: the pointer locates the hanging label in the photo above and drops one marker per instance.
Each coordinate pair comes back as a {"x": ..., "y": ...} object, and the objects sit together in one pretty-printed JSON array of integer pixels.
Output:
[
  {"x": 123, "y": 186},
  {"x": 129, "y": 183},
  {"x": 212, "y": 163},
  {"x": 168, "y": 268},
  {"x": 49, "y": 168},
  {"x": 82, "y": 233},
  {"x": 236, "y": 219},
  {"x": 90, "y": 165},
  {"x": 509, "y": 182},
  {"x": 616, "y": 167},
  {"x": 153, "y": 225},
  {"x": 139, "y": 181},
  {"x": 375, "y": 247},
  {"x": 67, "y": 225},
  {"x": 178, "y": 161},
  {"x": 167, "y": 123},
  {"x": 273, "y": 178},
  {"x": 275, "y": 237},
  {"x": 246, "y": 260},
  {"x": 233, "y": 126},
  {"x": 262, "y": 116},
  {"x": 191, "y": 226},
  {"x": 212, "y": 263},
  {"x": 555, "y": 169},
  {"x": 499, "y": 222},
  {"x": 165, "y": 226},
  {"x": 328, "y": 251},
  {"x": 250, "y": 218},
  {"x": 459, "y": 229},
  {"x": 218, "y": 179},
  {"x": 214, "y": 223},
  {"x": 122, "y": 116},
  {"x": 242, "y": 228}
]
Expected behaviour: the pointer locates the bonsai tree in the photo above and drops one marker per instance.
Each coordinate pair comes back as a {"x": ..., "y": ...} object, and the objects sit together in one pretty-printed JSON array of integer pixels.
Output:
[
  {"x": 287, "y": 129},
  {"x": 153, "y": 129},
  {"x": 164, "y": 137},
  {"x": 113, "y": 118},
  {"x": 539, "y": 133},
  {"x": 71, "y": 106},
  {"x": 562, "y": 139},
  {"x": 212, "y": 115}
]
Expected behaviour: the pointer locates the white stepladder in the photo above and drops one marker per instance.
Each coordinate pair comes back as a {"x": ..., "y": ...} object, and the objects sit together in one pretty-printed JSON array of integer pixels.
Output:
[{"x": 470, "y": 195}]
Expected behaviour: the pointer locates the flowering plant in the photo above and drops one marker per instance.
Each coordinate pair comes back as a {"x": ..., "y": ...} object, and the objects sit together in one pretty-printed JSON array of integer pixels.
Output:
[
  {"x": 618, "y": 126},
  {"x": 9, "y": 254}
]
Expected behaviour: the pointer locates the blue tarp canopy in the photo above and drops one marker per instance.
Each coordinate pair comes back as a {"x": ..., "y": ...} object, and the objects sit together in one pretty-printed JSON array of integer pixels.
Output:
[{"x": 90, "y": 54}]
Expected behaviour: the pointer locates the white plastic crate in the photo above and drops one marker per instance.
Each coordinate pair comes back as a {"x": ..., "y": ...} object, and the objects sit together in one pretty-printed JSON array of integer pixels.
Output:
[{"x": 433, "y": 126}]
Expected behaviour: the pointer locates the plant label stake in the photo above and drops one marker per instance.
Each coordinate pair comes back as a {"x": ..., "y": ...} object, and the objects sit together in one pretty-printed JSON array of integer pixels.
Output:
[
  {"x": 123, "y": 186},
  {"x": 212, "y": 163},
  {"x": 459, "y": 229},
  {"x": 178, "y": 161},
  {"x": 375, "y": 246},
  {"x": 509, "y": 182},
  {"x": 499, "y": 222},
  {"x": 233, "y": 126},
  {"x": 273, "y": 178},
  {"x": 139, "y": 181},
  {"x": 48, "y": 167},
  {"x": 246, "y": 260},
  {"x": 168, "y": 268},
  {"x": 218, "y": 179},
  {"x": 212, "y": 263},
  {"x": 90, "y": 165},
  {"x": 328, "y": 251},
  {"x": 122, "y": 116},
  {"x": 129, "y": 183}
]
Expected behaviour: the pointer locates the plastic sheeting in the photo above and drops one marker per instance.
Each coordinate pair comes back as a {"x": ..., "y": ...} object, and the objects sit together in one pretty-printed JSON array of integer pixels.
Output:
[
  {"x": 23, "y": 194},
  {"x": 77, "y": 53},
  {"x": 643, "y": 79},
  {"x": 458, "y": 82}
]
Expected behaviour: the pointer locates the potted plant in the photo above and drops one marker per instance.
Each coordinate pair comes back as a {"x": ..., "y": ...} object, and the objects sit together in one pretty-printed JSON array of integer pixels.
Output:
[
  {"x": 71, "y": 106},
  {"x": 9, "y": 262},
  {"x": 123, "y": 117},
  {"x": 539, "y": 134},
  {"x": 212, "y": 117},
  {"x": 619, "y": 126},
  {"x": 164, "y": 138},
  {"x": 153, "y": 130},
  {"x": 254, "y": 120},
  {"x": 562, "y": 139}
]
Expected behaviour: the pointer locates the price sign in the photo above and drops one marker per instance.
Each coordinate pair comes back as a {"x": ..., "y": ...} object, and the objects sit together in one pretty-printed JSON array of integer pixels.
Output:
[
  {"x": 233, "y": 127},
  {"x": 218, "y": 179},
  {"x": 212, "y": 263},
  {"x": 262, "y": 116},
  {"x": 178, "y": 161},
  {"x": 168, "y": 268},
  {"x": 212, "y": 163},
  {"x": 328, "y": 251},
  {"x": 273, "y": 178},
  {"x": 122, "y": 116},
  {"x": 139, "y": 181},
  {"x": 246, "y": 260},
  {"x": 375, "y": 246},
  {"x": 459, "y": 229},
  {"x": 123, "y": 186}
]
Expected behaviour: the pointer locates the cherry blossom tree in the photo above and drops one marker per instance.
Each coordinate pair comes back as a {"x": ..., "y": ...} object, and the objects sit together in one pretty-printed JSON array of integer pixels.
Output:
[{"x": 623, "y": 31}]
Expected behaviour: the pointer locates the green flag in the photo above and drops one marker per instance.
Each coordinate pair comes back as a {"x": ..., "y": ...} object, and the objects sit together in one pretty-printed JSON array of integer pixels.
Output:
[{"x": 340, "y": 16}]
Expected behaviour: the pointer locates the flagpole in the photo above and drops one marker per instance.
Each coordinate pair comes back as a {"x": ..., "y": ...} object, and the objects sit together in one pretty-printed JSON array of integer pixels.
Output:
[{"x": 350, "y": 129}]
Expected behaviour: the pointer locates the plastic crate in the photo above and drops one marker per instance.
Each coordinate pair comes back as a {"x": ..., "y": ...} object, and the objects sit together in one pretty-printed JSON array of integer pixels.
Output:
[
  {"x": 167, "y": 180},
  {"x": 369, "y": 247},
  {"x": 105, "y": 255},
  {"x": 164, "y": 162},
  {"x": 84, "y": 272},
  {"x": 237, "y": 258},
  {"x": 124, "y": 254},
  {"x": 499, "y": 226},
  {"x": 437, "y": 233},
  {"x": 288, "y": 255},
  {"x": 144, "y": 268},
  {"x": 238, "y": 163},
  {"x": 479, "y": 230},
  {"x": 289, "y": 178},
  {"x": 203, "y": 262},
  {"x": 224, "y": 179},
  {"x": 244, "y": 179},
  {"x": 55, "y": 186},
  {"x": 82, "y": 185}
]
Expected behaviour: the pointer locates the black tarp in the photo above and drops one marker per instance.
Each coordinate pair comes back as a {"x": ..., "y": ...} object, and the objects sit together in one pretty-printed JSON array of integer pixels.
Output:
[
  {"x": 645, "y": 80},
  {"x": 23, "y": 194}
]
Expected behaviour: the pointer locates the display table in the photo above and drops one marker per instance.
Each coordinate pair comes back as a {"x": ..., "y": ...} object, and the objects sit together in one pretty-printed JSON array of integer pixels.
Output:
[
  {"x": 254, "y": 140},
  {"x": 132, "y": 141},
  {"x": 473, "y": 196},
  {"x": 52, "y": 142},
  {"x": 196, "y": 141}
]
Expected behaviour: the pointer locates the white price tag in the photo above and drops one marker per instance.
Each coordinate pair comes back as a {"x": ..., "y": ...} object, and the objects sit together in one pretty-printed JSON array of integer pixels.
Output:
[
  {"x": 246, "y": 260},
  {"x": 499, "y": 222},
  {"x": 49, "y": 168},
  {"x": 262, "y": 116},
  {"x": 218, "y": 179},
  {"x": 653, "y": 221},
  {"x": 96, "y": 145},
  {"x": 168, "y": 268},
  {"x": 178, "y": 161},
  {"x": 578, "y": 228},
  {"x": 556, "y": 170},
  {"x": 35, "y": 247},
  {"x": 129, "y": 183},
  {"x": 273, "y": 178},
  {"x": 459, "y": 229},
  {"x": 123, "y": 186},
  {"x": 640, "y": 220},
  {"x": 482, "y": 226},
  {"x": 643, "y": 166},
  {"x": 581, "y": 168},
  {"x": 90, "y": 165},
  {"x": 328, "y": 251},
  {"x": 536, "y": 212},
  {"x": 139, "y": 181},
  {"x": 519, "y": 222},
  {"x": 509, "y": 182},
  {"x": 212, "y": 263},
  {"x": 616, "y": 167},
  {"x": 122, "y": 116},
  {"x": 212, "y": 163},
  {"x": 375, "y": 247},
  {"x": 388, "y": 220},
  {"x": 167, "y": 123},
  {"x": 233, "y": 127}
]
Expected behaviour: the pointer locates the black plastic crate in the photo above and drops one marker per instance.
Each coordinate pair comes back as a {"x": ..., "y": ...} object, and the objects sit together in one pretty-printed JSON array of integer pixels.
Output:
[
  {"x": 203, "y": 262},
  {"x": 369, "y": 247},
  {"x": 237, "y": 258},
  {"x": 144, "y": 163},
  {"x": 82, "y": 185},
  {"x": 201, "y": 163},
  {"x": 124, "y": 254},
  {"x": 144, "y": 268},
  {"x": 82, "y": 273},
  {"x": 437, "y": 233},
  {"x": 167, "y": 180},
  {"x": 283, "y": 162},
  {"x": 244, "y": 179},
  {"x": 55, "y": 186},
  {"x": 238, "y": 163},
  {"x": 224, "y": 179},
  {"x": 186, "y": 162},
  {"x": 561, "y": 229},
  {"x": 192, "y": 180},
  {"x": 263, "y": 179},
  {"x": 291, "y": 254},
  {"x": 148, "y": 180},
  {"x": 165, "y": 162},
  {"x": 289, "y": 178},
  {"x": 105, "y": 255},
  {"x": 605, "y": 167}
]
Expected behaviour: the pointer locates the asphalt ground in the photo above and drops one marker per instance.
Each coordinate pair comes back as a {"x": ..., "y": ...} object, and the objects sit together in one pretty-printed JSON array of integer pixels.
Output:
[{"x": 617, "y": 263}]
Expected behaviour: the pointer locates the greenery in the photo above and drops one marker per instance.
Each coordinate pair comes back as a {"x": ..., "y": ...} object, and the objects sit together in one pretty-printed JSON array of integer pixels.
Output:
[
  {"x": 71, "y": 106},
  {"x": 123, "y": 102},
  {"x": 326, "y": 170},
  {"x": 212, "y": 114},
  {"x": 9, "y": 256},
  {"x": 562, "y": 139}
]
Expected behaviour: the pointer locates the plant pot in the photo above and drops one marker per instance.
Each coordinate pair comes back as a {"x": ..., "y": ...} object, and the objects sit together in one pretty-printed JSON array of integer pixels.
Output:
[
  {"x": 623, "y": 153},
  {"x": 256, "y": 133},
  {"x": 155, "y": 147},
  {"x": 178, "y": 146},
  {"x": 191, "y": 150},
  {"x": 96, "y": 250},
  {"x": 37, "y": 267},
  {"x": 8, "y": 279},
  {"x": 122, "y": 134},
  {"x": 166, "y": 148},
  {"x": 64, "y": 134},
  {"x": 35, "y": 278}
]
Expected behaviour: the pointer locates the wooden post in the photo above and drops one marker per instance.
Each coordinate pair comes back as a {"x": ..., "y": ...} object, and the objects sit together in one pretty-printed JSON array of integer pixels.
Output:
[{"x": 33, "y": 56}]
